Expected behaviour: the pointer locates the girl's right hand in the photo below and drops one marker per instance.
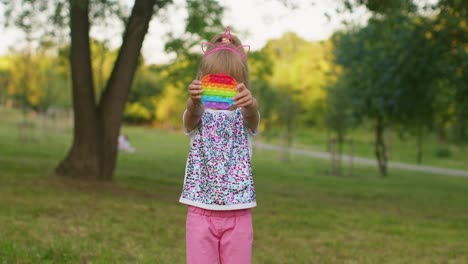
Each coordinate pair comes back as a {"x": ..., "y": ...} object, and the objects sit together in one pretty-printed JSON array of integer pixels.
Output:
[{"x": 195, "y": 91}]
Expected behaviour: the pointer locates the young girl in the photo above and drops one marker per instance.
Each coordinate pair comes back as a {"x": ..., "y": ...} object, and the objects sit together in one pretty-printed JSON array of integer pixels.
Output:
[{"x": 218, "y": 184}]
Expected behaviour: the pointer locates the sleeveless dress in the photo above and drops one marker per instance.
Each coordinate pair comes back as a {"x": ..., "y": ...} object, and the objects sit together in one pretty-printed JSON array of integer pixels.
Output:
[{"x": 218, "y": 174}]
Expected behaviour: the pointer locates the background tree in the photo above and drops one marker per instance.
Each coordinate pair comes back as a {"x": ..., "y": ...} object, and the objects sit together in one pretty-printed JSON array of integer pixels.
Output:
[
  {"x": 97, "y": 120},
  {"x": 147, "y": 86},
  {"x": 450, "y": 31},
  {"x": 398, "y": 66},
  {"x": 339, "y": 119},
  {"x": 282, "y": 52},
  {"x": 297, "y": 81},
  {"x": 388, "y": 74},
  {"x": 4, "y": 78}
]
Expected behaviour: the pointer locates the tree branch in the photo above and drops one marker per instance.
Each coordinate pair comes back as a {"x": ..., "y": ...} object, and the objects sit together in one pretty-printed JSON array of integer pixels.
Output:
[{"x": 119, "y": 83}]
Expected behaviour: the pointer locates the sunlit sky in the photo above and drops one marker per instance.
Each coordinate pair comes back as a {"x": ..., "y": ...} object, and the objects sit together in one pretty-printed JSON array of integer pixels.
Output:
[{"x": 255, "y": 21}]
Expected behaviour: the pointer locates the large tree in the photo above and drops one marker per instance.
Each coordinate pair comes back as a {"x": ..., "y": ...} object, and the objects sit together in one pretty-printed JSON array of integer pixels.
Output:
[
  {"x": 395, "y": 66},
  {"x": 97, "y": 121},
  {"x": 97, "y": 125}
]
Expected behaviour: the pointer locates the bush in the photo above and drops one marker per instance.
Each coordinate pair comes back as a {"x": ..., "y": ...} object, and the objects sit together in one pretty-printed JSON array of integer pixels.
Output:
[
  {"x": 443, "y": 152},
  {"x": 137, "y": 113}
]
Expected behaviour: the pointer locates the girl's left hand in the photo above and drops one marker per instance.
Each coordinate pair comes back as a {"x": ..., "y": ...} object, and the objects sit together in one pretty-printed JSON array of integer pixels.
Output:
[{"x": 243, "y": 98}]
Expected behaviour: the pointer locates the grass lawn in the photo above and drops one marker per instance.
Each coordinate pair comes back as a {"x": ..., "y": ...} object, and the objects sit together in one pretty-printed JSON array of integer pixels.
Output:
[
  {"x": 401, "y": 149},
  {"x": 304, "y": 215}
]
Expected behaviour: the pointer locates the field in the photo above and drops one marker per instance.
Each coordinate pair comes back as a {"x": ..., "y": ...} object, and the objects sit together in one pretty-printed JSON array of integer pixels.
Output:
[
  {"x": 304, "y": 215},
  {"x": 403, "y": 148}
]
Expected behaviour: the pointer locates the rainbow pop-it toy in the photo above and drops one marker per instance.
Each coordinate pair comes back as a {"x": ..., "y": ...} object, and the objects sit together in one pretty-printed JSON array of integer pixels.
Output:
[{"x": 218, "y": 91}]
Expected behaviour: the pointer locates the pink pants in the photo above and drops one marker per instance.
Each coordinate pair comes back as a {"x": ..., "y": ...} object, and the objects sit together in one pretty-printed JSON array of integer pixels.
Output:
[{"x": 213, "y": 235}]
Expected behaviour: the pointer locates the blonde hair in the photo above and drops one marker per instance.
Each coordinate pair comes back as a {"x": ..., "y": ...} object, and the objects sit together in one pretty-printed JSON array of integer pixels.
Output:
[{"x": 225, "y": 61}]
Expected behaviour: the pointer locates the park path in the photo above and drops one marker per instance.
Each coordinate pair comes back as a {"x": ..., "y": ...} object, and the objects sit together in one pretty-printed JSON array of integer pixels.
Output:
[{"x": 366, "y": 161}]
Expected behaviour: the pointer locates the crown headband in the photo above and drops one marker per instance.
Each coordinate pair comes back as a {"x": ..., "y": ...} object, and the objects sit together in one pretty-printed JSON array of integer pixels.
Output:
[{"x": 225, "y": 44}]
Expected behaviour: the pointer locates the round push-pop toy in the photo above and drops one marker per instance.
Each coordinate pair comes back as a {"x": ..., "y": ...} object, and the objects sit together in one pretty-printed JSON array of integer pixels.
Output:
[{"x": 218, "y": 91}]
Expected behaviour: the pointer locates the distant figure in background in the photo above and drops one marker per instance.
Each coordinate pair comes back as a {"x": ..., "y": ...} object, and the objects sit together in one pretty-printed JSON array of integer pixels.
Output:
[{"x": 124, "y": 144}]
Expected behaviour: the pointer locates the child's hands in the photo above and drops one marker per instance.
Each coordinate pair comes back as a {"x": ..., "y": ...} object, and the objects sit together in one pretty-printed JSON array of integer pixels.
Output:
[
  {"x": 243, "y": 98},
  {"x": 249, "y": 106},
  {"x": 195, "y": 91}
]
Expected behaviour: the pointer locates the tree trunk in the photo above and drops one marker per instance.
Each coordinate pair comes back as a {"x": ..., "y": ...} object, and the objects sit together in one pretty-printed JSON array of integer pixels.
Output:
[
  {"x": 420, "y": 142},
  {"x": 94, "y": 150},
  {"x": 284, "y": 147},
  {"x": 441, "y": 134},
  {"x": 332, "y": 151},
  {"x": 289, "y": 133},
  {"x": 461, "y": 133},
  {"x": 113, "y": 100},
  {"x": 351, "y": 157},
  {"x": 340, "y": 141},
  {"x": 388, "y": 143},
  {"x": 83, "y": 157},
  {"x": 380, "y": 152}
]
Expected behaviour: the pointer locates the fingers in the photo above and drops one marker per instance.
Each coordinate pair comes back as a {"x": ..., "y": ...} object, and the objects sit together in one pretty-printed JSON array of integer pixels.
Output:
[
  {"x": 195, "y": 90},
  {"x": 194, "y": 87},
  {"x": 243, "y": 102},
  {"x": 196, "y": 96},
  {"x": 241, "y": 87},
  {"x": 243, "y": 98},
  {"x": 238, "y": 96},
  {"x": 195, "y": 93},
  {"x": 242, "y": 92}
]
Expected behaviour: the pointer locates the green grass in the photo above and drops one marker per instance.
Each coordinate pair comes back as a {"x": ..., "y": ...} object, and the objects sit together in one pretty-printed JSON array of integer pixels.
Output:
[
  {"x": 304, "y": 215},
  {"x": 402, "y": 149}
]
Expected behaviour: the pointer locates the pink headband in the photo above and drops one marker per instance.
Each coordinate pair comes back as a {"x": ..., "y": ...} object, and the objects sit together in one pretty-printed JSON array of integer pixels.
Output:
[{"x": 225, "y": 45}]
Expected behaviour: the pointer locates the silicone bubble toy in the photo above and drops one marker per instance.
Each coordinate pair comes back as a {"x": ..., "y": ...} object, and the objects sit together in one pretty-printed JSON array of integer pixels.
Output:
[{"x": 218, "y": 91}]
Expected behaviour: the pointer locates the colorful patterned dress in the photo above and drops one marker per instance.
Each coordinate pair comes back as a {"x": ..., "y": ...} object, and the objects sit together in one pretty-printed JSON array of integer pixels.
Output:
[{"x": 218, "y": 173}]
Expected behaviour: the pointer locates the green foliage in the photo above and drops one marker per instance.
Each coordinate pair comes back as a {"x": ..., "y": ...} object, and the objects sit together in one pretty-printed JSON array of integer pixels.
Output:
[
  {"x": 170, "y": 106},
  {"x": 203, "y": 22},
  {"x": 260, "y": 65},
  {"x": 339, "y": 115},
  {"x": 284, "y": 48},
  {"x": 450, "y": 30},
  {"x": 175, "y": 78},
  {"x": 309, "y": 77},
  {"x": 300, "y": 68},
  {"x": 397, "y": 69},
  {"x": 382, "y": 6},
  {"x": 48, "y": 20},
  {"x": 267, "y": 98},
  {"x": 387, "y": 69},
  {"x": 387, "y": 72},
  {"x": 261, "y": 69},
  {"x": 34, "y": 81},
  {"x": 4, "y": 77},
  {"x": 137, "y": 113},
  {"x": 148, "y": 83},
  {"x": 157, "y": 91},
  {"x": 428, "y": 53},
  {"x": 102, "y": 64},
  {"x": 146, "y": 87}
]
